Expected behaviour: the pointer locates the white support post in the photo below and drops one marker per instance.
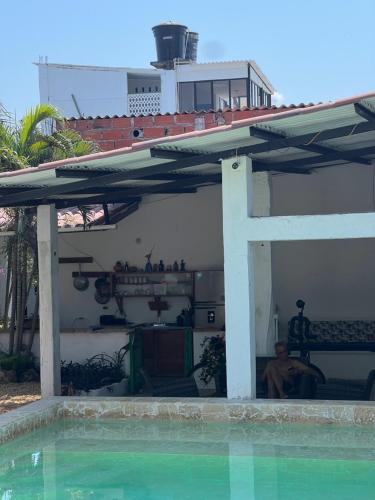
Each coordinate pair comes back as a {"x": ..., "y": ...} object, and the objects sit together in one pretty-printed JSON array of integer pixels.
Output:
[
  {"x": 239, "y": 279},
  {"x": 49, "y": 301}
]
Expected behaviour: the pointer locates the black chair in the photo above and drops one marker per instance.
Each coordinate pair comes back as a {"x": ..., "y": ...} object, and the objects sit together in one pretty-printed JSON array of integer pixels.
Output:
[{"x": 168, "y": 386}]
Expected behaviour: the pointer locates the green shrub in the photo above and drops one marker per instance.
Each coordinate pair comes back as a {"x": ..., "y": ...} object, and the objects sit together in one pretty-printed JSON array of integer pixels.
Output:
[
  {"x": 20, "y": 363},
  {"x": 97, "y": 371}
]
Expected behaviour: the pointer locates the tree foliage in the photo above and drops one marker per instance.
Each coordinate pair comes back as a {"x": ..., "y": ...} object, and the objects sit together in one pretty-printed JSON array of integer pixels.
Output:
[{"x": 41, "y": 136}]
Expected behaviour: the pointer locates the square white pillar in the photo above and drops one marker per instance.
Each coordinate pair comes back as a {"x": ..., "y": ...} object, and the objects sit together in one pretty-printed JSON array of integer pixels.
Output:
[
  {"x": 49, "y": 329},
  {"x": 239, "y": 279}
]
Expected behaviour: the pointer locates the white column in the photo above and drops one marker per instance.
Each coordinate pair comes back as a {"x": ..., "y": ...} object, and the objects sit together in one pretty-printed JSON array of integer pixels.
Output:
[
  {"x": 239, "y": 279},
  {"x": 264, "y": 308},
  {"x": 49, "y": 301}
]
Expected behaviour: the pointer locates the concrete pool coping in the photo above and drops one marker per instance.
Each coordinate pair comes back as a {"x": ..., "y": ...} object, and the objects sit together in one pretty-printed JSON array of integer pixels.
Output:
[{"x": 45, "y": 411}]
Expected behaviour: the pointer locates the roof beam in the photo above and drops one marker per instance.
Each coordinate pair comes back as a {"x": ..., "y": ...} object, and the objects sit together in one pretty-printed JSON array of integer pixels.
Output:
[
  {"x": 364, "y": 112},
  {"x": 44, "y": 194},
  {"x": 170, "y": 154},
  {"x": 93, "y": 190},
  {"x": 85, "y": 174},
  {"x": 127, "y": 195},
  {"x": 314, "y": 148},
  {"x": 351, "y": 156},
  {"x": 107, "y": 218},
  {"x": 171, "y": 188},
  {"x": 306, "y": 139},
  {"x": 81, "y": 173},
  {"x": 284, "y": 169}
]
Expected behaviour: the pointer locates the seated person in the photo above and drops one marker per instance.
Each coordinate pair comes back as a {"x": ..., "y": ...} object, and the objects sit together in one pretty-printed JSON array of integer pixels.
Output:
[{"x": 286, "y": 376}]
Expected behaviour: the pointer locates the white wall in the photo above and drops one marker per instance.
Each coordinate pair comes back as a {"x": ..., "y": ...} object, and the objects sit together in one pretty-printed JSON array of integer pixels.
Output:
[
  {"x": 98, "y": 91},
  {"x": 185, "y": 226},
  {"x": 212, "y": 71},
  {"x": 335, "y": 278},
  {"x": 168, "y": 97}
]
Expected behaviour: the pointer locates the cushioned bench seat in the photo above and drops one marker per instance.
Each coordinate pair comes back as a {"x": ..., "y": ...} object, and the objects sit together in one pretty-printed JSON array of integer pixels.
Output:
[{"x": 356, "y": 335}]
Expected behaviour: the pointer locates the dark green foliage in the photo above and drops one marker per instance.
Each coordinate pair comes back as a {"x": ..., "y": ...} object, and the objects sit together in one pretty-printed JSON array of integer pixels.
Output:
[
  {"x": 20, "y": 363},
  {"x": 96, "y": 372},
  {"x": 213, "y": 360}
]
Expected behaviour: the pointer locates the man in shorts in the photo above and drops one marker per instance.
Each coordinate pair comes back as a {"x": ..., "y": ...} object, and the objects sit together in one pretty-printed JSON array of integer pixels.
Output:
[{"x": 285, "y": 375}]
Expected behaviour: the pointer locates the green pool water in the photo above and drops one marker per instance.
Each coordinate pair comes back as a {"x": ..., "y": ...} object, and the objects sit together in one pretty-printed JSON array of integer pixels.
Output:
[{"x": 163, "y": 460}]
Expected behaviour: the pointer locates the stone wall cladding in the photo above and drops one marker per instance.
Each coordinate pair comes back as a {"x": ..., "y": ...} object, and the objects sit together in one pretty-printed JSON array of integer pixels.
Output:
[
  {"x": 43, "y": 412},
  {"x": 118, "y": 132}
]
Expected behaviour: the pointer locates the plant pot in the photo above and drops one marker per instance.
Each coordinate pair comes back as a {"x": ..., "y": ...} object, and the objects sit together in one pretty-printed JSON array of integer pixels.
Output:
[
  {"x": 221, "y": 383},
  {"x": 117, "y": 389}
]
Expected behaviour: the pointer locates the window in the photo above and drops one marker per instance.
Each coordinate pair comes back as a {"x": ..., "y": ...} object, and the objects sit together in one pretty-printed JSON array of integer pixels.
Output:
[
  {"x": 238, "y": 93},
  {"x": 216, "y": 94},
  {"x": 221, "y": 94},
  {"x": 186, "y": 96},
  {"x": 203, "y": 96}
]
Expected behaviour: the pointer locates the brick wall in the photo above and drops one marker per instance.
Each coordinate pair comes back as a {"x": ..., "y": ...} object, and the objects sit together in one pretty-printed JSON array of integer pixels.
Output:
[{"x": 119, "y": 132}]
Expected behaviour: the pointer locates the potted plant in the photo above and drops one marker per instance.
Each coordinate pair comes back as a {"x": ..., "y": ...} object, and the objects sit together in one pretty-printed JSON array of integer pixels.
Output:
[
  {"x": 99, "y": 376},
  {"x": 213, "y": 362}
]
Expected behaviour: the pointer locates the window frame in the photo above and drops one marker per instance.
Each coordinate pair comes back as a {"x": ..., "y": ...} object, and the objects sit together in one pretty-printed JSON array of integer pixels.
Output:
[{"x": 253, "y": 96}]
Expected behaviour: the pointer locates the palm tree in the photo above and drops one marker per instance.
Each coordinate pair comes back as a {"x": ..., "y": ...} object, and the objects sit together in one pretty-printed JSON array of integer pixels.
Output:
[{"x": 41, "y": 136}]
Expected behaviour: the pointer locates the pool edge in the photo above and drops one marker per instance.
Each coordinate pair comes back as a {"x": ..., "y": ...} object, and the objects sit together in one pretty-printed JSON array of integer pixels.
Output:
[{"x": 42, "y": 412}]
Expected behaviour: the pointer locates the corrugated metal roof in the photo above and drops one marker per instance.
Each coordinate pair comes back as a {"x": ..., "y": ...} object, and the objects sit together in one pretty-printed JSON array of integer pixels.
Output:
[{"x": 144, "y": 168}]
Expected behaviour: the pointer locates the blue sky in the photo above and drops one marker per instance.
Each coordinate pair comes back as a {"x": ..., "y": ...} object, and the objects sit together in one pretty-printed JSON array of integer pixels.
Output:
[{"x": 312, "y": 51}]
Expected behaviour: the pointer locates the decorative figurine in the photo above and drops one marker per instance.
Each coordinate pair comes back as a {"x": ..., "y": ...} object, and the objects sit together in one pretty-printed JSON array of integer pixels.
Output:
[
  {"x": 118, "y": 267},
  {"x": 126, "y": 267},
  {"x": 148, "y": 267},
  {"x": 175, "y": 266},
  {"x": 182, "y": 265},
  {"x": 161, "y": 266},
  {"x": 155, "y": 268}
]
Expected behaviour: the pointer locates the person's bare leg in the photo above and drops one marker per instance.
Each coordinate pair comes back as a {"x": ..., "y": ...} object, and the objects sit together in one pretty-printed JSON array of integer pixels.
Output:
[
  {"x": 271, "y": 389},
  {"x": 277, "y": 381}
]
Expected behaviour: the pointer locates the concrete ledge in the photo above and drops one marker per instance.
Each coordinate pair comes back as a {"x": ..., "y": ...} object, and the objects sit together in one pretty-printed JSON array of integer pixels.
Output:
[
  {"x": 40, "y": 413},
  {"x": 223, "y": 410},
  {"x": 28, "y": 417}
]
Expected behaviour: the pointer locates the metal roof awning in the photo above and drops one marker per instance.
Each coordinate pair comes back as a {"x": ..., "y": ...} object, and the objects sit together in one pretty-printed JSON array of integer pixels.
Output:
[{"x": 297, "y": 141}]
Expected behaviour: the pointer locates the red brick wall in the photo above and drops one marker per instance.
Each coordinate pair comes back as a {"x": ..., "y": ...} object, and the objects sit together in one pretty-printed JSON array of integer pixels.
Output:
[{"x": 114, "y": 133}]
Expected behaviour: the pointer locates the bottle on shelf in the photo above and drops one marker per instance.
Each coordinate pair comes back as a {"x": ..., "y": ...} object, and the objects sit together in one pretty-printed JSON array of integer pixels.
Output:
[
  {"x": 118, "y": 267},
  {"x": 148, "y": 267},
  {"x": 175, "y": 266},
  {"x": 126, "y": 267},
  {"x": 161, "y": 266},
  {"x": 182, "y": 265}
]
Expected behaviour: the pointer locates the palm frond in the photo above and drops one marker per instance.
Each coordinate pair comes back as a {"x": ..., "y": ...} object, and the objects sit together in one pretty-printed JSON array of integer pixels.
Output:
[
  {"x": 10, "y": 160},
  {"x": 8, "y": 137},
  {"x": 31, "y": 121}
]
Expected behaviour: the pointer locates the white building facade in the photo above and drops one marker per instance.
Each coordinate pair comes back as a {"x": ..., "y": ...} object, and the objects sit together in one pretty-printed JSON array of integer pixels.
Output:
[{"x": 82, "y": 91}]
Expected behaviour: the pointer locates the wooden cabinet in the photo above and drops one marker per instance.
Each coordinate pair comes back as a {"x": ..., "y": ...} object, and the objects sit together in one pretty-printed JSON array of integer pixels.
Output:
[{"x": 164, "y": 352}]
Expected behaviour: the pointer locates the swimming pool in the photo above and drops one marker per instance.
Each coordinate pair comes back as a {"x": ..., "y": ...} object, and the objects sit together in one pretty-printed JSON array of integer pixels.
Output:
[{"x": 165, "y": 459}]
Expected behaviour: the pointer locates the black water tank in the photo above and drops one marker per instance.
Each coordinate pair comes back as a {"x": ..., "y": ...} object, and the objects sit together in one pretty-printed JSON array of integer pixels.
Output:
[
  {"x": 192, "y": 46},
  {"x": 170, "y": 41}
]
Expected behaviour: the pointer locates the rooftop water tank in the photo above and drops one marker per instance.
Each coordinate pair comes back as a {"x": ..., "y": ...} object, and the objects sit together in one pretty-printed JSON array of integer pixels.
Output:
[
  {"x": 170, "y": 41},
  {"x": 192, "y": 46}
]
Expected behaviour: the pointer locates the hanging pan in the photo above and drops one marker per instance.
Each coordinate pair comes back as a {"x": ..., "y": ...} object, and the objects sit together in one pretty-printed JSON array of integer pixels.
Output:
[
  {"x": 80, "y": 282},
  {"x": 102, "y": 299}
]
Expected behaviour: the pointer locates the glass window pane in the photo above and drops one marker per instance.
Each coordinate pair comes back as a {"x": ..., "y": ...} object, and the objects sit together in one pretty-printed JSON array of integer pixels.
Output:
[
  {"x": 238, "y": 93},
  {"x": 221, "y": 94},
  {"x": 186, "y": 96},
  {"x": 203, "y": 96}
]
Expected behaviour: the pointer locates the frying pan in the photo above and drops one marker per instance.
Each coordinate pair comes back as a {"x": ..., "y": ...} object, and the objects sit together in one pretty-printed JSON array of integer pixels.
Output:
[{"x": 80, "y": 282}]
